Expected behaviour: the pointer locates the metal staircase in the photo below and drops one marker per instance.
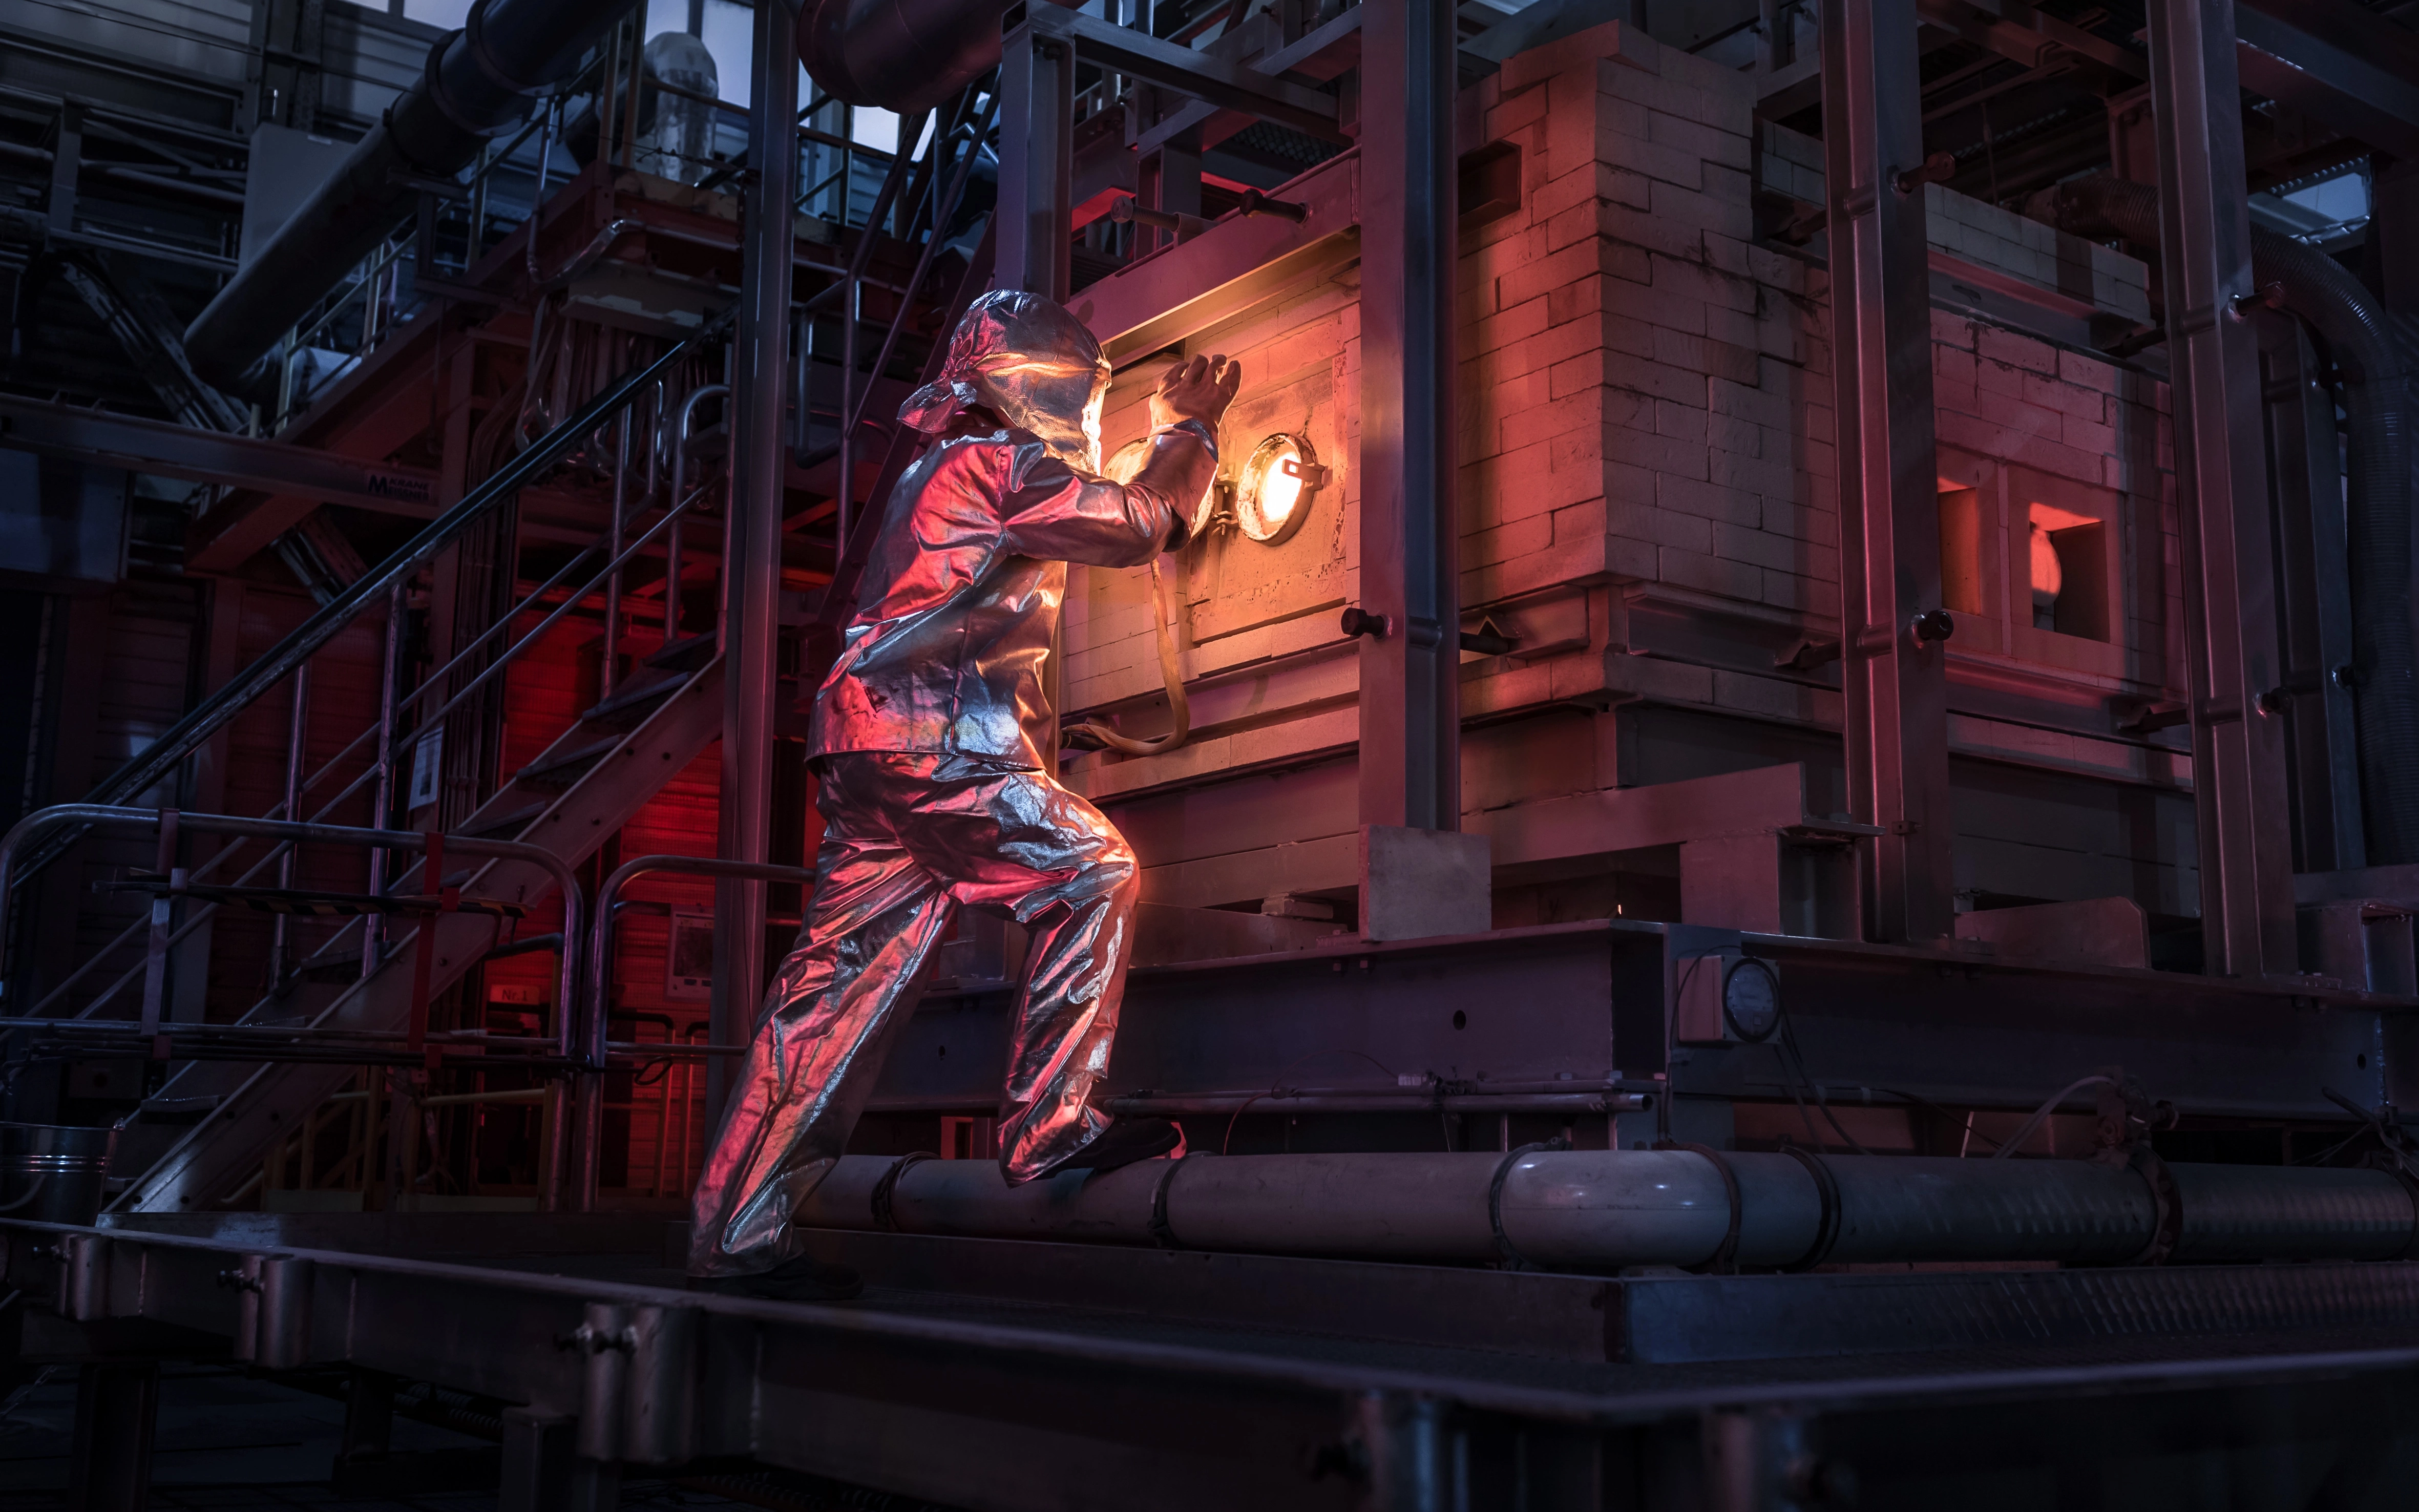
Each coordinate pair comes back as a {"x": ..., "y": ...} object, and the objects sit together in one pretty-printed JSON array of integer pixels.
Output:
[
  {"x": 582, "y": 789},
  {"x": 200, "y": 1141}
]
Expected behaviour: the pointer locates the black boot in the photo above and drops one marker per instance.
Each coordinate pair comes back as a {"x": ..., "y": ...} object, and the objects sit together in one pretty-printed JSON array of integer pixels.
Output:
[
  {"x": 1122, "y": 1143},
  {"x": 795, "y": 1280}
]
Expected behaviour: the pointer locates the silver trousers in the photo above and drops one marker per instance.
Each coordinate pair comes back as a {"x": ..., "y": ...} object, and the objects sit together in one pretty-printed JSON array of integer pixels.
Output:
[{"x": 908, "y": 838}]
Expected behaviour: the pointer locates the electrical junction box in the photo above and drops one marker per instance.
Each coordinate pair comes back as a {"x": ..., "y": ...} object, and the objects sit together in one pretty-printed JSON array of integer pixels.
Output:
[
  {"x": 688, "y": 959},
  {"x": 1725, "y": 997}
]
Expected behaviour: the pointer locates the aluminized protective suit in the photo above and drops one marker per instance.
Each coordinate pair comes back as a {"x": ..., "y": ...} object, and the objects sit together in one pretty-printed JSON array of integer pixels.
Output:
[{"x": 927, "y": 738}]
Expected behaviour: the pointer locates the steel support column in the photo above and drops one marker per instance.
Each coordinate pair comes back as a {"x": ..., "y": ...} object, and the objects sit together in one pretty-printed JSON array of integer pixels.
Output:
[
  {"x": 1410, "y": 732},
  {"x": 751, "y": 572},
  {"x": 1036, "y": 162},
  {"x": 1890, "y": 615},
  {"x": 2230, "y": 641},
  {"x": 117, "y": 1406}
]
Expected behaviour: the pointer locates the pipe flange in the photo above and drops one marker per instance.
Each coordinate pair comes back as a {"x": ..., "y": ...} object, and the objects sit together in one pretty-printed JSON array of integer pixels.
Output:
[
  {"x": 887, "y": 1188},
  {"x": 474, "y": 42},
  {"x": 1826, "y": 1187},
  {"x": 1503, "y": 1246},
  {"x": 1725, "y": 1258},
  {"x": 1160, "y": 1233},
  {"x": 2381, "y": 1160},
  {"x": 2167, "y": 1203},
  {"x": 432, "y": 83}
]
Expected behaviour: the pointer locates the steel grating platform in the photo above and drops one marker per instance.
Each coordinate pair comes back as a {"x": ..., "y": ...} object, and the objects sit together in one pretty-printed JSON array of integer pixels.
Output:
[{"x": 1011, "y": 1374}]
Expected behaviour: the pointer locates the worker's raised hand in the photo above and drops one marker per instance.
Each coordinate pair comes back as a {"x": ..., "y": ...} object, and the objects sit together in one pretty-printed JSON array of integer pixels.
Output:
[{"x": 1198, "y": 390}]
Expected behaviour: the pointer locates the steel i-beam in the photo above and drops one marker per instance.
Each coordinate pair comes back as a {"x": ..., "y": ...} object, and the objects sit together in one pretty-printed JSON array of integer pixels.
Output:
[
  {"x": 752, "y": 565},
  {"x": 1410, "y": 734},
  {"x": 2231, "y": 654},
  {"x": 1036, "y": 161},
  {"x": 1890, "y": 615}
]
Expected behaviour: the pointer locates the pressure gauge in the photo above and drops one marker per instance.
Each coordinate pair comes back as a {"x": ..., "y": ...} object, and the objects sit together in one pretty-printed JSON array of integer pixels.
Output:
[{"x": 1750, "y": 1000}]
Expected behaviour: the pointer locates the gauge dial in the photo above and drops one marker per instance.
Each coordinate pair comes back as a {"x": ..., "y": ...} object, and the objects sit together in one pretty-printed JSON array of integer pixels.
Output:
[{"x": 1751, "y": 1000}]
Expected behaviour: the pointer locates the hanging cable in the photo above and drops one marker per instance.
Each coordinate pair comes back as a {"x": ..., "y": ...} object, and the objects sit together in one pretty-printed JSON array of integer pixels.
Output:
[
  {"x": 1171, "y": 672},
  {"x": 2041, "y": 1115}
]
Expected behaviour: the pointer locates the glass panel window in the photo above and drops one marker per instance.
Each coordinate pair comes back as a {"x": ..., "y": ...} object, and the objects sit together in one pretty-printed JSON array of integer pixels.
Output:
[{"x": 730, "y": 34}]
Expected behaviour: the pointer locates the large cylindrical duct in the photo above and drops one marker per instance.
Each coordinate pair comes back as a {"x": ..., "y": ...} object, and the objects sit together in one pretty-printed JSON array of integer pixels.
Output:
[
  {"x": 902, "y": 55},
  {"x": 2374, "y": 355},
  {"x": 1603, "y": 1210},
  {"x": 478, "y": 84}
]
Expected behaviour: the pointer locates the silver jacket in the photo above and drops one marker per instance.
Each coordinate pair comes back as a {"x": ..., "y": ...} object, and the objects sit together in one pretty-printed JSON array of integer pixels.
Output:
[{"x": 961, "y": 598}]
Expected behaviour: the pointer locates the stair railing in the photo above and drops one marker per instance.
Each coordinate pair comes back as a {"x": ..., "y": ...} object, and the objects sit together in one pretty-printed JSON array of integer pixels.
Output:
[
  {"x": 598, "y": 1005},
  {"x": 382, "y": 730},
  {"x": 154, "y": 1036}
]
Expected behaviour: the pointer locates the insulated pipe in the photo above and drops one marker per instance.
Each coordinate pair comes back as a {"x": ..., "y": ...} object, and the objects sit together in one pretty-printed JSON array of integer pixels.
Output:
[
  {"x": 1599, "y": 1210},
  {"x": 476, "y": 84},
  {"x": 2375, "y": 356},
  {"x": 904, "y": 56}
]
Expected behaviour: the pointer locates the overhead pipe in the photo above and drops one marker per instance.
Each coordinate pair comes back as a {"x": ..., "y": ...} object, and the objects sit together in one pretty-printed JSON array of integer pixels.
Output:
[
  {"x": 2374, "y": 354},
  {"x": 904, "y": 55},
  {"x": 1692, "y": 1208},
  {"x": 476, "y": 84}
]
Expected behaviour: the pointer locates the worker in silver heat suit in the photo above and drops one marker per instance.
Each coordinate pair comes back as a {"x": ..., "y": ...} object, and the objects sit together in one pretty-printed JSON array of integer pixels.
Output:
[{"x": 927, "y": 741}]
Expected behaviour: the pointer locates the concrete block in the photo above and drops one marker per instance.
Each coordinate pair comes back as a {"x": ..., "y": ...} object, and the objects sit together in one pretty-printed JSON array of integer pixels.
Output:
[
  {"x": 2015, "y": 350},
  {"x": 1709, "y": 356},
  {"x": 1667, "y": 681},
  {"x": 1709, "y": 573},
  {"x": 1662, "y": 526},
  {"x": 1708, "y": 142},
  {"x": 2087, "y": 372},
  {"x": 1680, "y": 422},
  {"x": 1673, "y": 463}
]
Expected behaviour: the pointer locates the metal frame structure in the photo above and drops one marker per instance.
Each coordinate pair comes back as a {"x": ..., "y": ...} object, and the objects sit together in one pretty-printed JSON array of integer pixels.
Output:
[
  {"x": 2232, "y": 641},
  {"x": 1891, "y": 617},
  {"x": 1174, "y": 1377}
]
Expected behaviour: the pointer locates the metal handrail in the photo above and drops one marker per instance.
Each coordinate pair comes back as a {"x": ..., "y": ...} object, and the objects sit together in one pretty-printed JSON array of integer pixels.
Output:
[
  {"x": 163, "y": 755},
  {"x": 203, "y": 915},
  {"x": 93, "y": 815},
  {"x": 600, "y": 976},
  {"x": 89, "y": 816}
]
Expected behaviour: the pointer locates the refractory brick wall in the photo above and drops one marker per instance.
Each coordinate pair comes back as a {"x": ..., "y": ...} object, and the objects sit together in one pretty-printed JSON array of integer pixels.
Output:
[
  {"x": 1643, "y": 405},
  {"x": 1647, "y": 393}
]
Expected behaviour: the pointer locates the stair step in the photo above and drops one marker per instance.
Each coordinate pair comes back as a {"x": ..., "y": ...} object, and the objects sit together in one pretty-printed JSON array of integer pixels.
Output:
[
  {"x": 686, "y": 654},
  {"x": 633, "y": 704},
  {"x": 505, "y": 825},
  {"x": 556, "y": 771},
  {"x": 344, "y": 966},
  {"x": 192, "y": 1169}
]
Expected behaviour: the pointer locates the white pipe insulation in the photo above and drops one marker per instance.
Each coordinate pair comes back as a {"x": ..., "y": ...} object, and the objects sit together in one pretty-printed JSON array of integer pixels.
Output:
[{"x": 1692, "y": 1208}]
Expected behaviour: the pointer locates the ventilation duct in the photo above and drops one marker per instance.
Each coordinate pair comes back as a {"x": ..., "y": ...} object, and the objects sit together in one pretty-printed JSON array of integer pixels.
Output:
[
  {"x": 478, "y": 84},
  {"x": 904, "y": 55}
]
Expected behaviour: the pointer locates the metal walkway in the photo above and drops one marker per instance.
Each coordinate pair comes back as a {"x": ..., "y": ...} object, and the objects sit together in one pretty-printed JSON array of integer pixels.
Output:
[{"x": 1012, "y": 1375}]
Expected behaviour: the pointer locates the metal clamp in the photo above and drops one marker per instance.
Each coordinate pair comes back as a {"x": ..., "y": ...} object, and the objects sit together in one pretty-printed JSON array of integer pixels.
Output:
[
  {"x": 1827, "y": 1188},
  {"x": 589, "y": 1338},
  {"x": 887, "y": 1189},
  {"x": 1161, "y": 1234},
  {"x": 1495, "y": 1205},
  {"x": 432, "y": 83},
  {"x": 2167, "y": 1205},
  {"x": 474, "y": 43}
]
